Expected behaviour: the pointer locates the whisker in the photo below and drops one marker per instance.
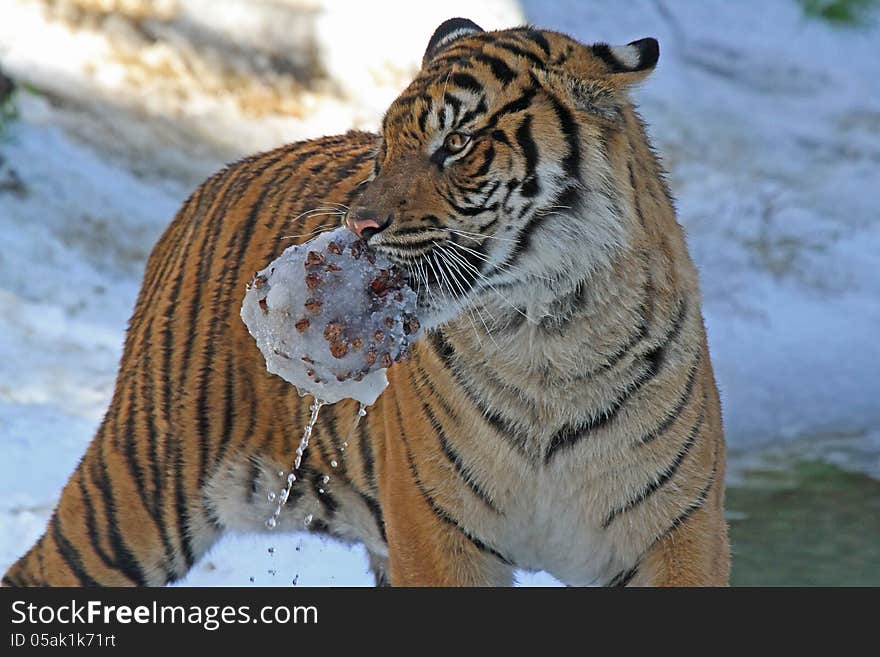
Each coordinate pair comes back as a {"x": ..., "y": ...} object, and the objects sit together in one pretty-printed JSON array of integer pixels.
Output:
[
  {"x": 469, "y": 235},
  {"x": 479, "y": 312},
  {"x": 313, "y": 232},
  {"x": 502, "y": 266},
  {"x": 479, "y": 274},
  {"x": 319, "y": 210},
  {"x": 469, "y": 311}
]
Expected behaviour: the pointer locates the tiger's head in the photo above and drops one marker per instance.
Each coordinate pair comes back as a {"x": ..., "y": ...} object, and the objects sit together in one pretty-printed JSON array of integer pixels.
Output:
[{"x": 493, "y": 176}]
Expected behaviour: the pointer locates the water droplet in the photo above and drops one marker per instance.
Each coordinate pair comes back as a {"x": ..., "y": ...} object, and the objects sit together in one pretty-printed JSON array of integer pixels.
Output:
[
  {"x": 252, "y": 579},
  {"x": 321, "y": 491},
  {"x": 333, "y": 463},
  {"x": 326, "y": 479},
  {"x": 271, "y": 550},
  {"x": 308, "y": 520},
  {"x": 362, "y": 411},
  {"x": 284, "y": 495},
  {"x": 271, "y": 495}
]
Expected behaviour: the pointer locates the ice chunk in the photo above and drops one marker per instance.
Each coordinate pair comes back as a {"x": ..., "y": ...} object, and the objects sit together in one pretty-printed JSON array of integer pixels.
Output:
[{"x": 330, "y": 316}]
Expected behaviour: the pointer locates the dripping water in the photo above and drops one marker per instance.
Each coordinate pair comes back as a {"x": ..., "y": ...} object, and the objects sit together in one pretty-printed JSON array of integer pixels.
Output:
[{"x": 284, "y": 493}]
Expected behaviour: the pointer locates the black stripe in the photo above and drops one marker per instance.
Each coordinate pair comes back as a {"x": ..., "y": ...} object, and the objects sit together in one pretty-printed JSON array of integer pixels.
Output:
[
  {"x": 691, "y": 508},
  {"x": 413, "y": 246},
  {"x": 516, "y": 105},
  {"x": 439, "y": 511},
  {"x": 571, "y": 434},
  {"x": 677, "y": 411},
  {"x": 254, "y": 478},
  {"x": 657, "y": 356},
  {"x": 415, "y": 229},
  {"x": 464, "y": 472},
  {"x": 479, "y": 110},
  {"x": 366, "y": 451},
  {"x": 537, "y": 38},
  {"x": 530, "y": 186},
  {"x": 70, "y": 555},
  {"x": 318, "y": 526},
  {"x": 500, "y": 70},
  {"x": 8, "y": 581},
  {"x": 665, "y": 474},
  {"x": 572, "y": 161},
  {"x": 129, "y": 444},
  {"x": 637, "y": 204},
  {"x": 488, "y": 195},
  {"x": 466, "y": 211},
  {"x": 229, "y": 405},
  {"x": 376, "y": 511},
  {"x": 519, "y": 52},
  {"x": 423, "y": 118},
  {"x": 181, "y": 512},
  {"x": 569, "y": 197},
  {"x": 624, "y": 577},
  {"x": 331, "y": 432},
  {"x": 125, "y": 559},
  {"x": 501, "y": 136},
  {"x": 238, "y": 180},
  {"x": 603, "y": 52},
  {"x": 453, "y": 102},
  {"x": 91, "y": 526},
  {"x": 153, "y": 438},
  {"x": 503, "y": 426},
  {"x": 636, "y": 338},
  {"x": 325, "y": 499},
  {"x": 466, "y": 81}
]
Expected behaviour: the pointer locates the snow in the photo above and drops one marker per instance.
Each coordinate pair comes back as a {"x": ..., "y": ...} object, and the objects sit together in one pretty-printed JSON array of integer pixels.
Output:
[
  {"x": 330, "y": 316},
  {"x": 768, "y": 122}
]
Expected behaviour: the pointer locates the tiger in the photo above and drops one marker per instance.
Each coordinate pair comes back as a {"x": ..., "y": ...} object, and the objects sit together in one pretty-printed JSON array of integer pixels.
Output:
[{"x": 560, "y": 413}]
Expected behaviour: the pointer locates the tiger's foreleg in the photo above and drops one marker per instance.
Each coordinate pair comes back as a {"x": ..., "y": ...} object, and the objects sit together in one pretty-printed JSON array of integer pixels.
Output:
[
  {"x": 695, "y": 552},
  {"x": 426, "y": 544}
]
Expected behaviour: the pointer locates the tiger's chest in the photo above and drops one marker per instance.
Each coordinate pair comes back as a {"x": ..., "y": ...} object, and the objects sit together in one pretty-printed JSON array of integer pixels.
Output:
[
  {"x": 547, "y": 517},
  {"x": 549, "y": 525}
]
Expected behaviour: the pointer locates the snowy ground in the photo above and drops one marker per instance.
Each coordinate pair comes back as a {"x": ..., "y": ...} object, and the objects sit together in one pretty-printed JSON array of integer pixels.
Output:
[{"x": 769, "y": 123}]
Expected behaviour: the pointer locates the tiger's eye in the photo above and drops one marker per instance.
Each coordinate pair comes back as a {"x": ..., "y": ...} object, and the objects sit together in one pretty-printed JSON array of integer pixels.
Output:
[{"x": 455, "y": 142}]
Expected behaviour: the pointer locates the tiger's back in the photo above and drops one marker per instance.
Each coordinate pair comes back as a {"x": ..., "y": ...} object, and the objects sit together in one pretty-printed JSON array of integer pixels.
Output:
[{"x": 575, "y": 427}]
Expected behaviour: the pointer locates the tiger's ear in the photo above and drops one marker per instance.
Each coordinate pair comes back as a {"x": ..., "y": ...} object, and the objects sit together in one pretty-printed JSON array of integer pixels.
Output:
[
  {"x": 594, "y": 77},
  {"x": 628, "y": 64},
  {"x": 449, "y": 31}
]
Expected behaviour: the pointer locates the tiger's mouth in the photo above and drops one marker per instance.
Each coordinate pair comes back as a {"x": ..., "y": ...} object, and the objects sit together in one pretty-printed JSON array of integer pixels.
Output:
[{"x": 445, "y": 281}]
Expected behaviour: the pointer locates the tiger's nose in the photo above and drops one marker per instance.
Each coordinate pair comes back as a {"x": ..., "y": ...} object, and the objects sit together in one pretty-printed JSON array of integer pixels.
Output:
[{"x": 365, "y": 222}]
